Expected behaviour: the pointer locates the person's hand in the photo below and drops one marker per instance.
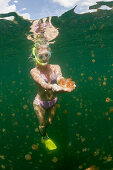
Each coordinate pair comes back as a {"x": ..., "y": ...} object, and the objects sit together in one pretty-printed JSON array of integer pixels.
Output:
[
  {"x": 56, "y": 88},
  {"x": 69, "y": 89}
]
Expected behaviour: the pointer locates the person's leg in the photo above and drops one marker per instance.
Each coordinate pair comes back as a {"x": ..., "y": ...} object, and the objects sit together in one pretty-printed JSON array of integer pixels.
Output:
[
  {"x": 51, "y": 113},
  {"x": 50, "y": 116},
  {"x": 41, "y": 114}
]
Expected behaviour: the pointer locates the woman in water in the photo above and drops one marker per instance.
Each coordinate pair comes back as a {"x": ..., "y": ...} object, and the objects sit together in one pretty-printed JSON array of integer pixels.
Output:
[{"x": 46, "y": 77}]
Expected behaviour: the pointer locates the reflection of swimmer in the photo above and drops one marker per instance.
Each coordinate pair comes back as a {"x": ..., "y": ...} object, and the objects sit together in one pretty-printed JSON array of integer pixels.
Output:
[
  {"x": 46, "y": 77},
  {"x": 44, "y": 27}
]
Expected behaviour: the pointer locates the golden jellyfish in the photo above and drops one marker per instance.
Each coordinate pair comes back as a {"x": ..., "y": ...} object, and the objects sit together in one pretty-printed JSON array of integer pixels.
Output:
[
  {"x": 69, "y": 144},
  {"x": 109, "y": 118},
  {"x": 25, "y": 106},
  {"x": 82, "y": 74},
  {"x": 93, "y": 60},
  {"x": 13, "y": 82},
  {"x": 65, "y": 111},
  {"x": 99, "y": 79},
  {"x": 36, "y": 130},
  {"x": 84, "y": 150},
  {"x": 78, "y": 113},
  {"x": 2, "y": 157},
  {"x": 3, "y": 130},
  {"x": 77, "y": 134},
  {"x": 105, "y": 78},
  {"x": 104, "y": 83},
  {"x": 80, "y": 167},
  {"x": 0, "y": 101},
  {"x": 58, "y": 105},
  {"x": 96, "y": 153},
  {"x": 55, "y": 159},
  {"x": 82, "y": 139},
  {"x": 93, "y": 167},
  {"x": 3, "y": 166},
  {"x": 28, "y": 157},
  {"x": 90, "y": 78},
  {"x": 92, "y": 54},
  {"x": 62, "y": 82},
  {"x": 67, "y": 83},
  {"x": 13, "y": 114},
  {"x": 111, "y": 109},
  {"x": 15, "y": 123},
  {"x": 109, "y": 158},
  {"x": 108, "y": 100},
  {"x": 41, "y": 155},
  {"x": 106, "y": 113},
  {"x": 27, "y": 137},
  {"x": 34, "y": 146}
]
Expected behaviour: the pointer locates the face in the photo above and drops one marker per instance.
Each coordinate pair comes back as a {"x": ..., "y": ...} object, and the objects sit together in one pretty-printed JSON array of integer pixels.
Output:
[{"x": 43, "y": 57}]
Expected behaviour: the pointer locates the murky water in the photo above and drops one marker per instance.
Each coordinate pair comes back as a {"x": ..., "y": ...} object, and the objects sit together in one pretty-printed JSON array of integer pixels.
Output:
[{"x": 83, "y": 126}]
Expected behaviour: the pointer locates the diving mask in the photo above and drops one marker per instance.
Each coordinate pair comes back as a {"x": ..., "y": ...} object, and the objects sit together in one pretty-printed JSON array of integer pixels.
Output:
[{"x": 43, "y": 59}]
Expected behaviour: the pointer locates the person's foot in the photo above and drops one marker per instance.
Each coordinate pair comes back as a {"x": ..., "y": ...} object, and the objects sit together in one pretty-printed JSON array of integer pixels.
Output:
[{"x": 49, "y": 143}]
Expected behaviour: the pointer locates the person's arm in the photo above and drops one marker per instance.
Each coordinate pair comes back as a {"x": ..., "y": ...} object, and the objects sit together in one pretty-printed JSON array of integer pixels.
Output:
[
  {"x": 36, "y": 77},
  {"x": 59, "y": 76},
  {"x": 58, "y": 73}
]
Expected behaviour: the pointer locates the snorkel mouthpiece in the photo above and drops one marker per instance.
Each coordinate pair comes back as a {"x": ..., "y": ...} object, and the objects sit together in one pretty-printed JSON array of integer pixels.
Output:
[{"x": 40, "y": 63}]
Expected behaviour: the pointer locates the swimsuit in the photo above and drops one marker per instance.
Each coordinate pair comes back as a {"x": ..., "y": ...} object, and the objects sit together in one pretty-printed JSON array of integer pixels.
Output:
[
  {"x": 47, "y": 104},
  {"x": 53, "y": 81}
]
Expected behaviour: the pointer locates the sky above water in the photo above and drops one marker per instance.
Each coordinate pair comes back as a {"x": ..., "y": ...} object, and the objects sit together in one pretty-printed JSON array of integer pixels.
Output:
[{"x": 36, "y": 9}]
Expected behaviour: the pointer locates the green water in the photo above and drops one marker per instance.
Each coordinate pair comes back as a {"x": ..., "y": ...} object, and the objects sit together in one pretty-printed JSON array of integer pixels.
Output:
[{"x": 83, "y": 126}]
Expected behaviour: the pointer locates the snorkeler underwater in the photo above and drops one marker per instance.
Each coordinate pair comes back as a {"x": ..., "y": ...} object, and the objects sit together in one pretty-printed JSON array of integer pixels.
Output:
[
  {"x": 48, "y": 78},
  {"x": 56, "y": 83}
]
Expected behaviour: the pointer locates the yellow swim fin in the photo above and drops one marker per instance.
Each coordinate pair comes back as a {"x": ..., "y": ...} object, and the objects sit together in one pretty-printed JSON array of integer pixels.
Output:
[{"x": 49, "y": 143}]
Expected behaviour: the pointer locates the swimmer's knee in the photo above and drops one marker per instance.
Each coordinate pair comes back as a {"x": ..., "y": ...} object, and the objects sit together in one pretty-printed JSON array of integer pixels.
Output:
[
  {"x": 50, "y": 121},
  {"x": 41, "y": 127},
  {"x": 43, "y": 123}
]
